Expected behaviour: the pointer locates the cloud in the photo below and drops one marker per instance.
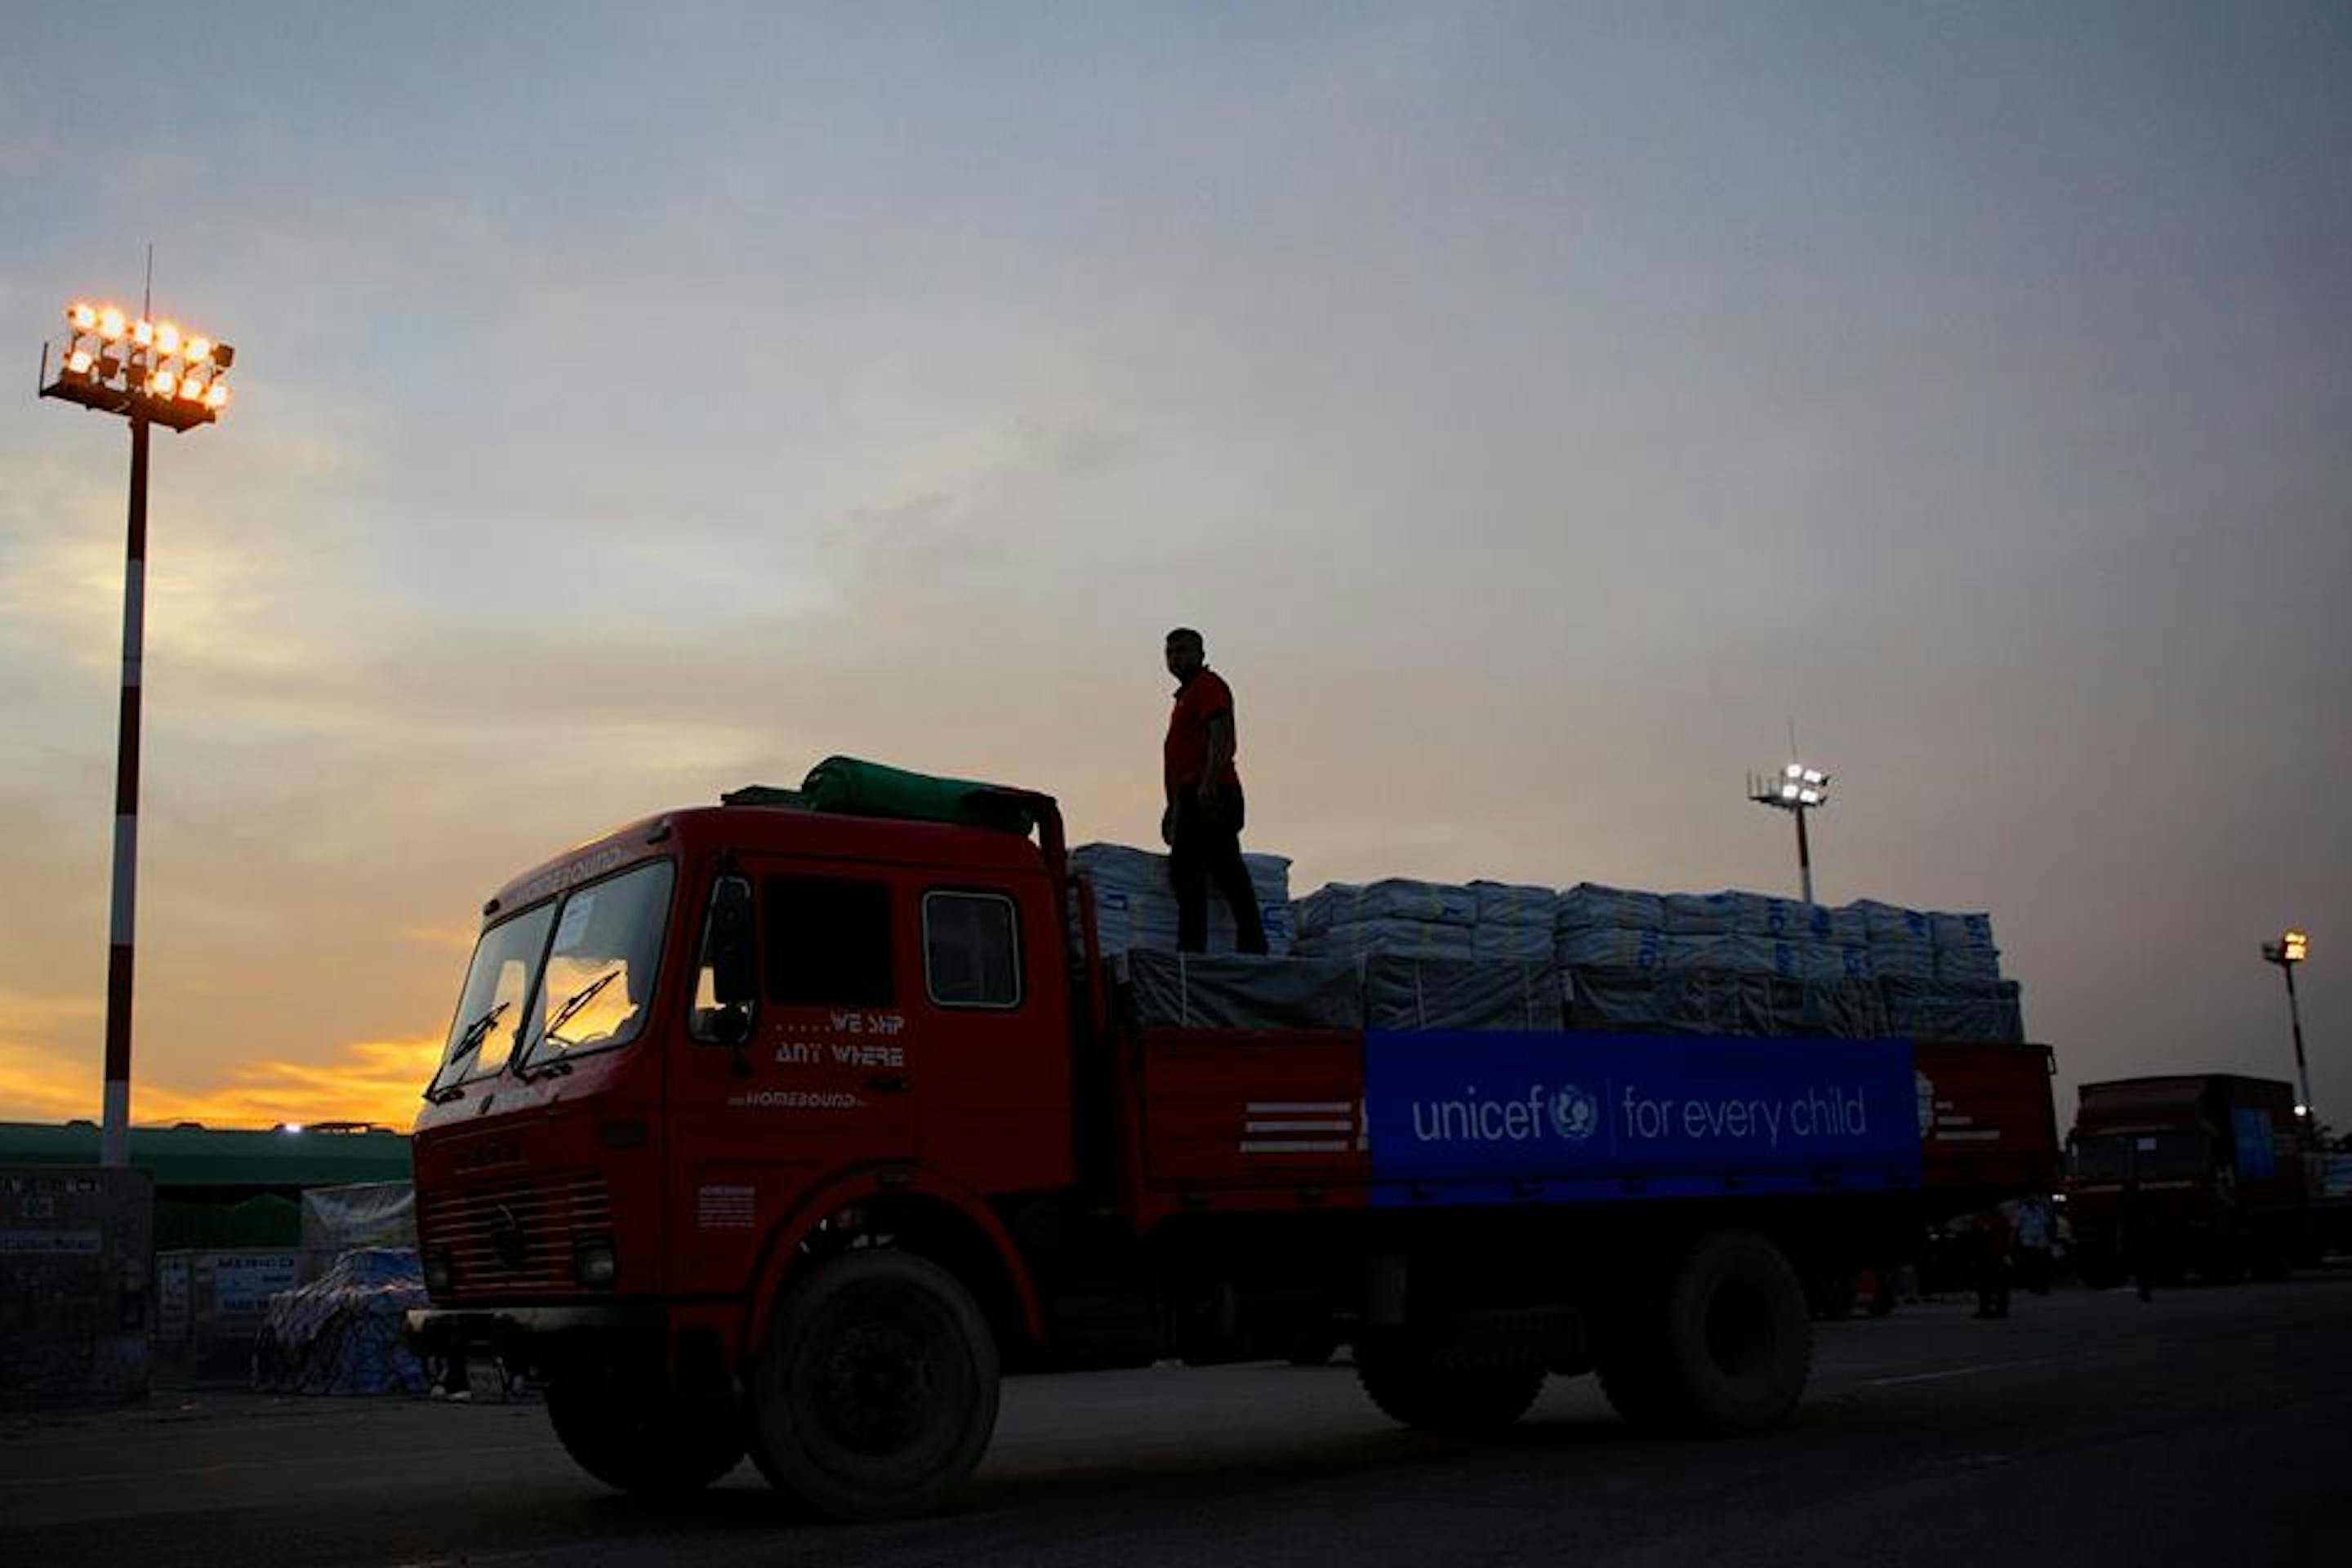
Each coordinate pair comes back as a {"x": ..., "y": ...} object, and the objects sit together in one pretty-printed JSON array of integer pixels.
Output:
[
  {"x": 39, "y": 1084},
  {"x": 361, "y": 1081}
]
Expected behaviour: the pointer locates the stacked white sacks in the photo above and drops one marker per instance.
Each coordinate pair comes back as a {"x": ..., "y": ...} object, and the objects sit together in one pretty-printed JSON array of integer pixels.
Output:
[{"x": 1135, "y": 904}]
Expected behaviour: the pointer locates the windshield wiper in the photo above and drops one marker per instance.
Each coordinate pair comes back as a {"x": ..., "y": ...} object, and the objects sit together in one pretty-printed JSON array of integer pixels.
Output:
[
  {"x": 468, "y": 1044},
  {"x": 572, "y": 1006}
]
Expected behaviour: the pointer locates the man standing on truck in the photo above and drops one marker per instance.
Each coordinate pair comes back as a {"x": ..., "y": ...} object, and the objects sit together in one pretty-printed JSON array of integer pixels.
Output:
[{"x": 1202, "y": 823}]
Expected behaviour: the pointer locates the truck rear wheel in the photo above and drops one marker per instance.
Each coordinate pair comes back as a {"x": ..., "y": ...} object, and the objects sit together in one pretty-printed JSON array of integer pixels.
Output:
[
  {"x": 876, "y": 1394},
  {"x": 1727, "y": 1348},
  {"x": 1410, "y": 1388},
  {"x": 645, "y": 1442}
]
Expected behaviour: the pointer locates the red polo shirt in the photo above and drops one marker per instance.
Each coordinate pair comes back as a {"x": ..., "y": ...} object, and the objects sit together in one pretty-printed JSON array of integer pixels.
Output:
[{"x": 1185, "y": 756}]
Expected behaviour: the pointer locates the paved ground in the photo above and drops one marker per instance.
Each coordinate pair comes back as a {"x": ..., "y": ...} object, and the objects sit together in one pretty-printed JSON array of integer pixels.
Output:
[{"x": 2214, "y": 1426}]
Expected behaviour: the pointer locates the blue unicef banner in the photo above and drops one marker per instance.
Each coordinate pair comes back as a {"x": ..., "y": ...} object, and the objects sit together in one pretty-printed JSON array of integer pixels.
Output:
[{"x": 1569, "y": 1117}]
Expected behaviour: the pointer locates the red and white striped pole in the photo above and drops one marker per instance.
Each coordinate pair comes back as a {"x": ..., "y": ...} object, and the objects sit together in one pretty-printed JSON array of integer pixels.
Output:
[
  {"x": 114, "y": 1140},
  {"x": 154, "y": 374}
]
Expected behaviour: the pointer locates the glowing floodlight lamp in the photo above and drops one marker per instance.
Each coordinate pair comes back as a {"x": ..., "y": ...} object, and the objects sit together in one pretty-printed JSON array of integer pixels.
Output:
[{"x": 113, "y": 362}]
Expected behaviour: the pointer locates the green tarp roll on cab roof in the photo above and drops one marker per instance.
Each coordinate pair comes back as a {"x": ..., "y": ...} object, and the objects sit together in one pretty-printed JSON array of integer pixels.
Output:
[{"x": 858, "y": 788}]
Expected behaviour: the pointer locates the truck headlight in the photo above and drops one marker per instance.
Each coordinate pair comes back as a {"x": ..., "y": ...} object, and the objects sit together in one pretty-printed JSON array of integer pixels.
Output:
[{"x": 592, "y": 1262}]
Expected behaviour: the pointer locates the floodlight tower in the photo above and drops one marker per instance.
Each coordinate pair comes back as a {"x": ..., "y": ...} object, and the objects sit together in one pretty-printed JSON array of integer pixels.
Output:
[
  {"x": 150, "y": 372},
  {"x": 2287, "y": 953},
  {"x": 1795, "y": 789}
]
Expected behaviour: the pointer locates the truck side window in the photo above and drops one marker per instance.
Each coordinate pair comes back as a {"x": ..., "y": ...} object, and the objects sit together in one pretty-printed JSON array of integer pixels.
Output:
[
  {"x": 828, "y": 942},
  {"x": 972, "y": 950}
]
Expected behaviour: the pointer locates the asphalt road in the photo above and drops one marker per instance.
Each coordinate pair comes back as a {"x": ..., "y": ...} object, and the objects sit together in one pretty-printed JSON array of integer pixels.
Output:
[{"x": 2212, "y": 1426}]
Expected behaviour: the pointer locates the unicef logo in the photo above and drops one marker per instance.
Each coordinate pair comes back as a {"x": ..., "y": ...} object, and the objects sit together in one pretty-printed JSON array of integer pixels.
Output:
[{"x": 1575, "y": 1115}]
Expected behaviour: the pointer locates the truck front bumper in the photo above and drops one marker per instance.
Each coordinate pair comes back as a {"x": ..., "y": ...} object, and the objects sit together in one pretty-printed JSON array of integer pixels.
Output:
[{"x": 536, "y": 1335}]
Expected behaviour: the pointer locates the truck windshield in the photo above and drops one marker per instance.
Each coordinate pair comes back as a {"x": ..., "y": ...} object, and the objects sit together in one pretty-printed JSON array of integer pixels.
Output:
[
  {"x": 2150, "y": 1156},
  {"x": 569, "y": 975},
  {"x": 600, "y": 965}
]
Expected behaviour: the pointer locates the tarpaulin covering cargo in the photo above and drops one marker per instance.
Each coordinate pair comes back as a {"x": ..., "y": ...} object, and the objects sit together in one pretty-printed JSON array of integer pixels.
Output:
[
  {"x": 1946, "y": 1010},
  {"x": 1722, "y": 1002},
  {"x": 1391, "y": 899},
  {"x": 1236, "y": 991},
  {"x": 1525, "y": 944},
  {"x": 1514, "y": 904},
  {"x": 1460, "y": 993},
  {"x": 1590, "y": 904},
  {"x": 1411, "y": 939},
  {"x": 342, "y": 1333}
]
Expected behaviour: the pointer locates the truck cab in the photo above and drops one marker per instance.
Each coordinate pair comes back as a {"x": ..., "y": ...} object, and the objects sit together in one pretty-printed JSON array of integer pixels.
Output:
[{"x": 690, "y": 1052}]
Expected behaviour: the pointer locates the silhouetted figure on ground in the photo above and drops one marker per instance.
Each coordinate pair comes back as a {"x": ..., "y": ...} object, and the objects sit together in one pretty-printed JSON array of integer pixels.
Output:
[
  {"x": 2033, "y": 1230},
  {"x": 1992, "y": 1263},
  {"x": 1202, "y": 823},
  {"x": 2136, "y": 1238}
]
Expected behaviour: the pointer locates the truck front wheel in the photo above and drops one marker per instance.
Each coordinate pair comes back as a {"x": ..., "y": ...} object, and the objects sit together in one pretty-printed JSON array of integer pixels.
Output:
[
  {"x": 1408, "y": 1387},
  {"x": 643, "y": 1441},
  {"x": 875, "y": 1393}
]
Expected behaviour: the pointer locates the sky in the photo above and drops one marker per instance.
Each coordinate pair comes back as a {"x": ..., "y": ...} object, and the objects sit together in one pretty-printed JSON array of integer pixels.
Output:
[{"x": 1539, "y": 408}]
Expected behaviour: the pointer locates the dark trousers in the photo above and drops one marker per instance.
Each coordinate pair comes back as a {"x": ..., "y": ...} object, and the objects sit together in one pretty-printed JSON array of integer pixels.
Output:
[
  {"x": 1205, "y": 847},
  {"x": 2033, "y": 1267},
  {"x": 1992, "y": 1282}
]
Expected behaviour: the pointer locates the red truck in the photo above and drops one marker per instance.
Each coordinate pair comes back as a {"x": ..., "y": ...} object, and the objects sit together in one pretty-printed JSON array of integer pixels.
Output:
[
  {"x": 771, "y": 1129},
  {"x": 2209, "y": 1173}
]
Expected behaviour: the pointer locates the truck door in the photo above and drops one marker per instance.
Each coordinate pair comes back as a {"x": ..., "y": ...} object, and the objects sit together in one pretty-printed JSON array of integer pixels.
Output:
[
  {"x": 989, "y": 1033},
  {"x": 817, "y": 1083}
]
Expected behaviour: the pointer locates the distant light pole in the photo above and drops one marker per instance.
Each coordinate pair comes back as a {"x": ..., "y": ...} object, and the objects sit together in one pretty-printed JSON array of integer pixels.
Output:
[
  {"x": 2287, "y": 953},
  {"x": 1795, "y": 789},
  {"x": 150, "y": 372}
]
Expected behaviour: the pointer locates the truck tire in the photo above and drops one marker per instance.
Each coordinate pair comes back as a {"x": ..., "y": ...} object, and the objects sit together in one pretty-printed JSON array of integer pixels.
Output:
[
  {"x": 876, "y": 1394},
  {"x": 1725, "y": 1348},
  {"x": 1637, "y": 1374},
  {"x": 642, "y": 1442},
  {"x": 1410, "y": 1389}
]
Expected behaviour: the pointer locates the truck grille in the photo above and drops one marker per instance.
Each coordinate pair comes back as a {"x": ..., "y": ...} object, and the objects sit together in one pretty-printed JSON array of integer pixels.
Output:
[{"x": 516, "y": 1234}]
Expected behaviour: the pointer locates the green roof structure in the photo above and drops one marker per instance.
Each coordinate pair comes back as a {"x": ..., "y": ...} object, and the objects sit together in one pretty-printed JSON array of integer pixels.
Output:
[{"x": 203, "y": 1157}]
